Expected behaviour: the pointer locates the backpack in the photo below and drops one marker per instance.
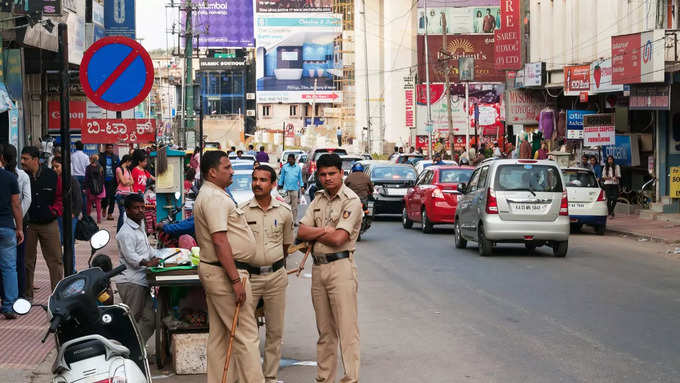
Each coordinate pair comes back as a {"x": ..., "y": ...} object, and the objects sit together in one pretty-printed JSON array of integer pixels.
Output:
[
  {"x": 96, "y": 185},
  {"x": 85, "y": 228}
]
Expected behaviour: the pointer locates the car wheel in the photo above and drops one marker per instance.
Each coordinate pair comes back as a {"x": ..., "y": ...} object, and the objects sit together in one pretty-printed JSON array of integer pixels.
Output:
[
  {"x": 560, "y": 249},
  {"x": 601, "y": 229},
  {"x": 575, "y": 227},
  {"x": 405, "y": 221},
  {"x": 426, "y": 224},
  {"x": 485, "y": 246},
  {"x": 458, "y": 239}
]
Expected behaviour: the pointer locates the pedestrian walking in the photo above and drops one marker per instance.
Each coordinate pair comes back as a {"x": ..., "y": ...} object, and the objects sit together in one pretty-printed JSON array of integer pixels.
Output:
[
  {"x": 76, "y": 207},
  {"x": 271, "y": 222},
  {"x": 11, "y": 234},
  {"x": 46, "y": 206},
  {"x": 224, "y": 237},
  {"x": 94, "y": 185},
  {"x": 79, "y": 163},
  {"x": 262, "y": 156},
  {"x": 597, "y": 168},
  {"x": 124, "y": 188},
  {"x": 612, "y": 177},
  {"x": 251, "y": 150},
  {"x": 338, "y": 134},
  {"x": 332, "y": 222},
  {"x": 109, "y": 162},
  {"x": 139, "y": 174},
  {"x": 293, "y": 185},
  {"x": 8, "y": 156},
  {"x": 137, "y": 254}
]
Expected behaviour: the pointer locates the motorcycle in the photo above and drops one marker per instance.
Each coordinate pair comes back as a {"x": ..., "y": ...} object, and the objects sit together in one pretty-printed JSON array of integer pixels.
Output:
[
  {"x": 367, "y": 219},
  {"x": 95, "y": 343}
]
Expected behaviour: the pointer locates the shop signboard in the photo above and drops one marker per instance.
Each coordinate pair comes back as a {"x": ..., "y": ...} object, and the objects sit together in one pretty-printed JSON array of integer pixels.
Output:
[
  {"x": 119, "y": 18},
  {"x": 625, "y": 151},
  {"x": 534, "y": 74},
  {"x": 576, "y": 79},
  {"x": 675, "y": 182},
  {"x": 599, "y": 135},
  {"x": 508, "y": 41},
  {"x": 47, "y": 7},
  {"x": 13, "y": 122},
  {"x": 208, "y": 64},
  {"x": 638, "y": 57},
  {"x": 575, "y": 123},
  {"x": 601, "y": 77},
  {"x": 460, "y": 20},
  {"x": 224, "y": 23},
  {"x": 478, "y": 47},
  {"x": 297, "y": 58},
  {"x": 650, "y": 97},
  {"x": 410, "y": 102},
  {"x": 129, "y": 131},
  {"x": 277, "y": 6},
  {"x": 523, "y": 106},
  {"x": 77, "y": 110}
]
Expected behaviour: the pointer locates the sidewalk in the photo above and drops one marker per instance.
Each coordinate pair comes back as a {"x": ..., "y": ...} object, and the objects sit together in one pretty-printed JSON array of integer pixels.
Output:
[
  {"x": 20, "y": 338},
  {"x": 655, "y": 230}
]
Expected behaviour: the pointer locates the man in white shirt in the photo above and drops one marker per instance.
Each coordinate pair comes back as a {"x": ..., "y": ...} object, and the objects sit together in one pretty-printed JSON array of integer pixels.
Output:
[
  {"x": 137, "y": 254},
  {"x": 79, "y": 162}
]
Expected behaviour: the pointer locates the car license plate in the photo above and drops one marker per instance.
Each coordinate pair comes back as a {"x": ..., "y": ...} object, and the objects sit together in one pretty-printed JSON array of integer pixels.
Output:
[
  {"x": 528, "y": 208},
  {"x": 396, "y": 192},
  {"x": 577, "y": 205}
]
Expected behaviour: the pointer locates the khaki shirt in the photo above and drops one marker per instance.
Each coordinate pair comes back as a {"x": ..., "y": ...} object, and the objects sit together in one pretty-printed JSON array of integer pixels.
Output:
[
  {"x": 272, "y": 229},
  {"x": 214, "y": 211},
  {"x": 343, "y": 211}
]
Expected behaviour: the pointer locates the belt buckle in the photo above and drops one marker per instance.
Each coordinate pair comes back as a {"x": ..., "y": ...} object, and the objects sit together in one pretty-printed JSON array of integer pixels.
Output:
[
  {"x": 321, "y": 259},
  {"x": 266, "y": 270}
]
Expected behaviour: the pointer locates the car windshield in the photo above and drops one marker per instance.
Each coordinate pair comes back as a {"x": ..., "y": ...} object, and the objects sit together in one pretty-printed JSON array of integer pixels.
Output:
[
  {"x": 241, "y": 182},
  {"x": 454, "y": 176},
  {"x": 393, "y": 173},
  {"x": 537, "y": 178},
  {"x": 579, "y": 179},
  {"x": 321, "y": 153}
]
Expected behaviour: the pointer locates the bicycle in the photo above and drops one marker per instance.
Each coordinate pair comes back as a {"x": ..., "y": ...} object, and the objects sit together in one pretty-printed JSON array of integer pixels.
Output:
[{"x": 647, "y": 193}]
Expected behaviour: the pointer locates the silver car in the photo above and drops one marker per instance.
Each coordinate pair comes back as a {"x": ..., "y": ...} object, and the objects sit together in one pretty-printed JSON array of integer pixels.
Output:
[
  {"x": 241, "y": 186},
  {"x": 514, "y": 201}
]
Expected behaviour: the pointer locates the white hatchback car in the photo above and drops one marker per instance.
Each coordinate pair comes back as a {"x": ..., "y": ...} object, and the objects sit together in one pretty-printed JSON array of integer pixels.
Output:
[{"x": 587, "y": 201}]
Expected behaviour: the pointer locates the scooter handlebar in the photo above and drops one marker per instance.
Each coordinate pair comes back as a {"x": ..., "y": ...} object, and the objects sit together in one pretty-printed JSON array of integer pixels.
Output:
[{"x": 116, "y": 271}]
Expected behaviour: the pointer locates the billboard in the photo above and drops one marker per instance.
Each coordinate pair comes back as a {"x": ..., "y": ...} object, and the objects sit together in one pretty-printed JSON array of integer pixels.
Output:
[
  {"x": 460, "y": 20},
  {"x": 601, "y": 77},
  {"x": 298, "y": 57},
  {"x": 638, "y": 57},
  {"x": 456, "y": 3},
  {"x": 119, "y": 18},
  {"x": 523, "y": 106},
  {"x": 576, "y": 79},
  {"x": 508, "y": 41},
  {"x": 223, "y": 24},
  {"x": 276, "y": 6},
  {"x": 478, "y": 47},
  {"x": 575, "y": 123}
]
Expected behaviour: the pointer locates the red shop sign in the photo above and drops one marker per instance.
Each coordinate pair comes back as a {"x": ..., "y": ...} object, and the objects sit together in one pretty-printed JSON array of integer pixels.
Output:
[
  {"x": 103, "y": 131},
  {"x": 576, "y": 79},
  {"x": 507, "y": 40},
  {"x": 77, "y": 110}
]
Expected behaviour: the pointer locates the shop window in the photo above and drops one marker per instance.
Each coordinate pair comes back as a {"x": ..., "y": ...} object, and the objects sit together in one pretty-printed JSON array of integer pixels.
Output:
[
  {"x": 266, "y": 110},
  {"x": 293, "y": 110}
]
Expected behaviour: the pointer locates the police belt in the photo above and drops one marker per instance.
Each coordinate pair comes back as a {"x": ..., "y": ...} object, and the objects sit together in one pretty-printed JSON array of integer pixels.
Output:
[
  {"x": 323, "y": 259},
  {"x": 257, "y": 270}
]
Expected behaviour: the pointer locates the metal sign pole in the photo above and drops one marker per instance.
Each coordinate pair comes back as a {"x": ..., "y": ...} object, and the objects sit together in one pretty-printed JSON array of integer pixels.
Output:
[{"x": 67, "y": 221}]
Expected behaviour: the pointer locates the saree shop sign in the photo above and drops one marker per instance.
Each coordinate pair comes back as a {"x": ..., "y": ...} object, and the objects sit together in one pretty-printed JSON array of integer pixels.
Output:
[
  {"x": 102, "y": 131},
  {"x": 523, "y": 107}
]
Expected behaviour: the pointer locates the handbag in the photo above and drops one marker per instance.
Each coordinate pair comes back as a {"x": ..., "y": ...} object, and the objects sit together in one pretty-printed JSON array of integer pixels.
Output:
[
  {"x": 96, "y": 185},
  {"x": 85, "y": 228}
]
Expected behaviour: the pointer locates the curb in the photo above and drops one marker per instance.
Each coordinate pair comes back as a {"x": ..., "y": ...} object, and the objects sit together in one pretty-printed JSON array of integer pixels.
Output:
[{"x": 642, "y": 235}]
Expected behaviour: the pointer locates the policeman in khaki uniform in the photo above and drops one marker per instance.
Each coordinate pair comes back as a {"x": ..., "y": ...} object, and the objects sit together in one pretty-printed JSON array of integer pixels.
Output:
[
  {"x": 225, "y": 238},
  {"x": 332, "y": 222},
  {"x": 271, "y": 222}
]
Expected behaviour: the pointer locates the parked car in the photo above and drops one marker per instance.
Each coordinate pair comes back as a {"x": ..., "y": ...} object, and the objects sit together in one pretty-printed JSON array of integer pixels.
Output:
[
  {"x": 242, "y": 164},
  {"x": 587, "y": 201},
  {"x": 284, "y": 156},
  {"x": 514, "y": 201},
  {"x": 241, "y": 186},
  {"x": 434, "y": 198},
  {"x": 244, "y": 157},
  {"x": 309, "y": 167},
  {"x": 391, "y": 182},
  {"x": 410, "y": 158},
  {"x": 423, "y": 164}
]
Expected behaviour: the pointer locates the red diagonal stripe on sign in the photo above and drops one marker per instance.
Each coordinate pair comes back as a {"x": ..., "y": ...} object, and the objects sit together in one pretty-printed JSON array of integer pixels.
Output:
[{"x": 116, "y": 73}]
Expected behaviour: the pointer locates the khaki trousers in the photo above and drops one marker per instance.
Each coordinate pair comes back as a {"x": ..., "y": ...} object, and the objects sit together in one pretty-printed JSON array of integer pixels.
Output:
[
  {"x": 50, "y": 245},
  {"x": 245, "y": 364},
  {"x": 271, "y": 288},
  {"x": 334, "y": 295},
  {"x": 293, "y": 199},
  {"x": 138, "y": 299}
]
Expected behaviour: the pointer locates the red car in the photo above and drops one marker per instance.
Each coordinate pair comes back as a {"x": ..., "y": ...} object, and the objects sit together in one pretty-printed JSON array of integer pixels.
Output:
[{"x": 434, "y": 198}]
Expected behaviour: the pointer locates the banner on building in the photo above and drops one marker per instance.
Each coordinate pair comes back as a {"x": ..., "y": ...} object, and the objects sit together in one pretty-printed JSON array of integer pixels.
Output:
[
  {"x": 576, "y": 79},
  {"x": 208, "y": 64},
  {"x": 119, "y": 18},
  {"x": 410, "y": 102},
  {"x": 534, "y": 74},
  {"x": 508, "y": 39},
  {"x": 276, "y": 6},
  {"x": 298, "y": 57},
  {"x": 47, "y": 7},
  {"x": 638, "y": 57},
  {"x": 77, "y": 110},
  {"x": 575, "y": 123},
  {"x": 523, "y": 106},
  {"x": 650, "y": 97},
  {"x": 478, "y": 47},
  {"x": 460, "y": 20},
  {"x": 223, "y": 24},
  {"x": 626, "y": 151},
  {"x": 601, "y": 77},
  {"x": 599, "y": 135},
  {"x": 126, "y": 131}
]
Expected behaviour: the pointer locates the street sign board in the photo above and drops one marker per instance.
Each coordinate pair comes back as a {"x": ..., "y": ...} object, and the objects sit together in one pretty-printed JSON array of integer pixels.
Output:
[{"x": 116, "y": 73}]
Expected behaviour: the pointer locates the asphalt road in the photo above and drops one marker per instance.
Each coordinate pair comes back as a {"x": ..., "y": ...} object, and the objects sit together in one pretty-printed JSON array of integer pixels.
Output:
[{"x": 608, "y": 312}]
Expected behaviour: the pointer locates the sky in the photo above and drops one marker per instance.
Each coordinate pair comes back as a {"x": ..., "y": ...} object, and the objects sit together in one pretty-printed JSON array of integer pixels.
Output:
[{"x": 151, "y": 23}]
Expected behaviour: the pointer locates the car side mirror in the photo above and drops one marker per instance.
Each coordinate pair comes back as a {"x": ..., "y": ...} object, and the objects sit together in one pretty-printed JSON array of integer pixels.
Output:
[{"x": 462, "y": 188}]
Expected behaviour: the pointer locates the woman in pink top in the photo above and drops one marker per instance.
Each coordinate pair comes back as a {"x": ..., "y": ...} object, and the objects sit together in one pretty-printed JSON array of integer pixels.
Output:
[{"x": 124, "y": 180}]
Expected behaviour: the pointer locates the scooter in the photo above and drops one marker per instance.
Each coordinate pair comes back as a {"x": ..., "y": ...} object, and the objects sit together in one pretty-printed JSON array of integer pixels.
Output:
[{"x": 94, "y": 343}]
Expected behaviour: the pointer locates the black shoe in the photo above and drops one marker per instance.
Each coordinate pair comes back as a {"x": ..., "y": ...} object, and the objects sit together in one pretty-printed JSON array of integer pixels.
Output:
[{"x": 9, "y": 315}]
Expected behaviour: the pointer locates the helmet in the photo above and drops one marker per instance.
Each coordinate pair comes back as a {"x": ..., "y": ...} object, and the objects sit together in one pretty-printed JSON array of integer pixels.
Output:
[{"x": 357, "y": 167}]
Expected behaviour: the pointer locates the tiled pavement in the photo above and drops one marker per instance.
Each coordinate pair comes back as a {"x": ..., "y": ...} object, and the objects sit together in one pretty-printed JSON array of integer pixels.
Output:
[{"x": 653, "y": 229}]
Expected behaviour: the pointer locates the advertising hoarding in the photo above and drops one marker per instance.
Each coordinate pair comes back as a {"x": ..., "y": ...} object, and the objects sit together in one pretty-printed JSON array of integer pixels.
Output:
[
  {"x": 478, "y": 47},
  {"x": 576, "y": 79},
  {"x": 77, "y": 110},
  {"x": 223, "y": 24},
  {"x": 278, "y": 6},
  {"x": 508, "y": 41},
  {"x": 119, "y": 18},
  {"x": 460, "y": 20},
  {"x": 523, "y": 106},
  {"x": 298, "y": 57},
  {"x": 638, "y": 57},
  {"x": 601, "y": 77}
]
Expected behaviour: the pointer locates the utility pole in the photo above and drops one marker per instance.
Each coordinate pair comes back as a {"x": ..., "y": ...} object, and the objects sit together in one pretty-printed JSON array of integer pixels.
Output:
[
  {"x": 368, "y": 101},
  {"x": 427, "y": 84},
  {"x": 447, "y": 72},
  {"x": 66, "y": 191},
  {"x": 189, "y": 75}
]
